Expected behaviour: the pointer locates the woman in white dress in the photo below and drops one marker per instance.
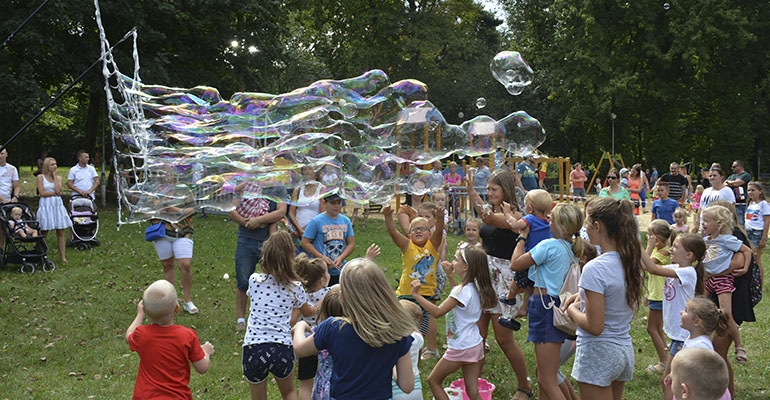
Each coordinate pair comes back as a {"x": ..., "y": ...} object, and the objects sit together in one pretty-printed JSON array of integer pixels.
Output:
[{"x": 51, "y": 213}]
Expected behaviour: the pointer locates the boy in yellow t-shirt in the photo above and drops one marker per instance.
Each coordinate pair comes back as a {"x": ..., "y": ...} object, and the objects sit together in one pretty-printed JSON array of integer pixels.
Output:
[{"x": 419, "y": 258}]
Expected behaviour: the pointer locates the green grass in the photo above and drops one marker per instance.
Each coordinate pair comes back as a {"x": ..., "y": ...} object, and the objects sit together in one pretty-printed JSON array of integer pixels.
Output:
[{"x": 61, "y": 333}]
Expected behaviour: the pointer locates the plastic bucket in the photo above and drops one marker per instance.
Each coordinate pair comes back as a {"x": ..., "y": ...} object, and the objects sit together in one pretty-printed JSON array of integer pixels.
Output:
[{"x": 485, "y": 388}]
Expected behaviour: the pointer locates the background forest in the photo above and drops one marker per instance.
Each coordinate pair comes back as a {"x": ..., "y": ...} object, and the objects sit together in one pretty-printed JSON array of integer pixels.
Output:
[{"x": 686, "y": 80}]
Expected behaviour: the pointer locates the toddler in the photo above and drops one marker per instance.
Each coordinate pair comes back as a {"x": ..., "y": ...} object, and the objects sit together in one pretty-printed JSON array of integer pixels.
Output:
[
  {"x": 18, "y": 226},
  {"x": 699, "y": 374},
  {"x": 680, "y": 221}
]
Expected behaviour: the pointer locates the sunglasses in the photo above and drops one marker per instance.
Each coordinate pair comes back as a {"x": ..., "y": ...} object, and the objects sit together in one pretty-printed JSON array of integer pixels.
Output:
[{"x": 612, "y": 177}]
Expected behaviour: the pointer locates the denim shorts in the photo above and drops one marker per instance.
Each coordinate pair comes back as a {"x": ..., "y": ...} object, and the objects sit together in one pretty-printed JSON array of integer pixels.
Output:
[
  {"x": 541, "y": 329},
  {"x": 656, "y": 305},
  {"x": 754, "y": 236},
  {"x": 261, "y": 359},
  {"x": 248, "y": 252},
  {"x": 675, "y": 346}
]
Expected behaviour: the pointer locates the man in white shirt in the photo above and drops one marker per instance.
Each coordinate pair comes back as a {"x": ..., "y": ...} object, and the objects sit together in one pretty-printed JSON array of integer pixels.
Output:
[
  {"x": 9, "y": 180},
  {"x": 82, "y": 178}
]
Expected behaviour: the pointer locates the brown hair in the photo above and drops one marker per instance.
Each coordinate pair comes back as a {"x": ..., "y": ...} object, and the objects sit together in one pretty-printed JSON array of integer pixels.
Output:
[
  {"x": 711, "y": 317},
  {"x": 697, "y": 246},
  {"x": 478, "y": 272},
  {"x": 311, "y": 270},
  {"x": 278, "y": 260}
]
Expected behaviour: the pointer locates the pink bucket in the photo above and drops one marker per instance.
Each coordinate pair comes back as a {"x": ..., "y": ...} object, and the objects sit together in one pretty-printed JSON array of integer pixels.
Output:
[{"x": 485, "y": 388}]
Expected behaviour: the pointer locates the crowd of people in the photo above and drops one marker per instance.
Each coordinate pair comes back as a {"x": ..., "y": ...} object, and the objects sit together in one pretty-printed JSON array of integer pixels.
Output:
[{"x": 354, "y": 336}]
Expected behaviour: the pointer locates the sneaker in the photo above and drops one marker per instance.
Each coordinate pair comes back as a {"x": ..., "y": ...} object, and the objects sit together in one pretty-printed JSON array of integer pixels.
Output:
[
  {"x": 508, "y": 302},
  {"x": 240, "y": 326},
  {"x": 190, "y": 308},
  {"x": 509, "y": 323}
]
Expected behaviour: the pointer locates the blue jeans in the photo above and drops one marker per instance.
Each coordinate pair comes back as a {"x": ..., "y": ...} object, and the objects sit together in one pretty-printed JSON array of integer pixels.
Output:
[
  {"x": 248, "y": 253},
  {"x": 740, "y": 210}
]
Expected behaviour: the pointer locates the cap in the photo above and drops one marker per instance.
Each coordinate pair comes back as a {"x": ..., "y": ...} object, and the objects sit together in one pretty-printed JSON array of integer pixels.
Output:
[
  {"x": 623, "y": 171},
  {"x": 333, "y": 197}
]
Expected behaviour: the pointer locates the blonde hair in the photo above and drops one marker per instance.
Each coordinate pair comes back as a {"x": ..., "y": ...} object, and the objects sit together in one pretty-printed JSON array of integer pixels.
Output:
[
  {"x": 681, "y": 213},
  {"x": 413, "y": 309},
  {"x": 160, "y": 300},
  {"x": 311, "y": 270},
  {"x": 370, "y": 305},
  {"x": 474, "y": 220},
  {"x": 568, "y": 218},
  {"x": 278, "y": 258},
  {"x": 699, "y": 189},
  {"x": 723, "y": 217},
  {"x": 660, "y": 228},
  {"x": 14, "y": 209},
  {"x": 703, "y": 371},
  {"x": 540, "y": 200}
]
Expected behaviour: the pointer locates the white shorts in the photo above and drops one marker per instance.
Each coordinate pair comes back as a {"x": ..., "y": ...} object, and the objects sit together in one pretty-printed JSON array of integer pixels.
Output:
[{"x": 169, "y": 247}]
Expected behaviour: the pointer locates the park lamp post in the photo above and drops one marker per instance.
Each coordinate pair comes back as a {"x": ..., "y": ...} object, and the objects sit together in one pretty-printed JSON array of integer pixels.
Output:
[{"x": 612, "y": 117}]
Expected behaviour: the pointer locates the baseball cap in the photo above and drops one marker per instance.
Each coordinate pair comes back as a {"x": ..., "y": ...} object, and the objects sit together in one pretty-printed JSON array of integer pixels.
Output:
[
  {"x": 333, "y": 197},
  {"x": 623, "y": 171}
]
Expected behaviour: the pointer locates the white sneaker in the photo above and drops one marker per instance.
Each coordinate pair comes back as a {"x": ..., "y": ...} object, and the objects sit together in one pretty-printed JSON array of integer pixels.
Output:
[{"x": 190, "y": 308}]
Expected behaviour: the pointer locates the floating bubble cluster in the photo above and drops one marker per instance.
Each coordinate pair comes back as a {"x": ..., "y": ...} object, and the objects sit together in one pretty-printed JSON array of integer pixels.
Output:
[
  {"x": 512, "y": 71},
  {"x": 364, "y": 138}
]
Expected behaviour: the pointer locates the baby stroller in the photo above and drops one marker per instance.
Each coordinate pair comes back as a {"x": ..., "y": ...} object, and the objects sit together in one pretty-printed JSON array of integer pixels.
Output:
[
  {"x": 85, "y": 223},
  {"x": 30, "y": 251}
]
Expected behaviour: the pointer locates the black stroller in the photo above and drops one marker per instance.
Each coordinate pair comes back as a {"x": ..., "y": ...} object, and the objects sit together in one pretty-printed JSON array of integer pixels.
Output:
[
  {"x": 29, "y": 251},
  {"x": 85, "y": 223}
]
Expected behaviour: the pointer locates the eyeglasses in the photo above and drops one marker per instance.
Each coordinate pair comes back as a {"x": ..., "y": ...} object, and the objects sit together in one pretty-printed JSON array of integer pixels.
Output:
[
  {"x": 419, "y": 229},
  {"x": 612, "y": 177},
  {"x": 734, "y": 166}
]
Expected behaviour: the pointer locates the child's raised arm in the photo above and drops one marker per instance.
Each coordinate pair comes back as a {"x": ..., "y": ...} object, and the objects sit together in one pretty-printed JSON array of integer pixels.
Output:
[
  {"x": 137, "y": 320},
  {"x": 432, "y": 309},
  {"x": 437, "y": 238},
  {"x": 649, "y": 265},
  {"x": 399, "y": 239}
]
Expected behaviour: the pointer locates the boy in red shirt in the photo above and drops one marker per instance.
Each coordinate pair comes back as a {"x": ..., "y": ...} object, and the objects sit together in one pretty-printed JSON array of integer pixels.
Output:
[{"x": 165, "y": 350}]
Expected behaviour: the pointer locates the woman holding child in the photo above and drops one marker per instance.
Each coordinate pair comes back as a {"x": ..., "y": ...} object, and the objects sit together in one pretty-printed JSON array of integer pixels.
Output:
[{"x": 498, "y": 241}]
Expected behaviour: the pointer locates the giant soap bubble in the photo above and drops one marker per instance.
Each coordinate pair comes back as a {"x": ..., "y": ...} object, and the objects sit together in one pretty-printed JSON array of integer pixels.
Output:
[
  {"x": 364, "y": 138},
  {"x": 512, "y": 71}
]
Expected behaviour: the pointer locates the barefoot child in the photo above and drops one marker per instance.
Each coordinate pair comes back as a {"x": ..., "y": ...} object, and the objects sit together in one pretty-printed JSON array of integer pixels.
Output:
[
  {"x": 465, "y": 346},
  {"x": 165, "y": 349}
]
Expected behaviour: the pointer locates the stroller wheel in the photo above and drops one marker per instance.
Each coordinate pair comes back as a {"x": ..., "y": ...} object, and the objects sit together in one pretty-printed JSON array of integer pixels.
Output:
[
  {"x": 27, "y": 267},
  {"x": 49, "y": 266},
  {"x": 82, "y": 246}
]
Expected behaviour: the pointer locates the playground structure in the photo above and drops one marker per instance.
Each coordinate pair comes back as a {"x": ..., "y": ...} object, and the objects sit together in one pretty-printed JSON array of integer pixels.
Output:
[{"x": 612, "y": 158}]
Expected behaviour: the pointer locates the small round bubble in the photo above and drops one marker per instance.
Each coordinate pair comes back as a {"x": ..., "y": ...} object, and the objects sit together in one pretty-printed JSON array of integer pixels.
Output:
[
  {"x": 666, "y": 6},
  {"x": 481, "y": 103}
]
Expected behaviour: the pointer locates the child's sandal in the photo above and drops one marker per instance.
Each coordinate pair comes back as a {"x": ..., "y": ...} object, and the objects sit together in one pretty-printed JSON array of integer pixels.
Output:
[
  {"x": 659, "y": 367},
  {"x": 740, "y": 355}
]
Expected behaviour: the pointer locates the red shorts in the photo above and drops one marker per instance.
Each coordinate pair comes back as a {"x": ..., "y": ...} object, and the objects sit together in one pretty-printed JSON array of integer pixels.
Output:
[{"x": 720, "y": 284}]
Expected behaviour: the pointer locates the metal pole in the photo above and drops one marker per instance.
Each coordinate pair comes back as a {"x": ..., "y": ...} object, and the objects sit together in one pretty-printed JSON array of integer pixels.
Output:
[{"x": 613, "y": 116}]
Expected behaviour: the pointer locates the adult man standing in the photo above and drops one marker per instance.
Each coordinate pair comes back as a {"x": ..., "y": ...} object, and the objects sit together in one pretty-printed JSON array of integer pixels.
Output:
[
  {"x": 525, "y": 174},
  {"x": 677, "y": 183},
  {"x": 739, "y": 183},
  {"x": 9, "y": 180},
  {"x": 82, "y": 178},
  {"x": 481, "y": 177},
  {"x": 578, "y": 180},
  {"x": 254, "y": 216}
]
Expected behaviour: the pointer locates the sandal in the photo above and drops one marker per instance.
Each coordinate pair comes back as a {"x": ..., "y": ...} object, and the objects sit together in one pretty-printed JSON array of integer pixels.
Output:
[
  {"x": 659, "y": 367},
  {"x": 529, "y": 393},
  {"x": 428, "y": 354},
  {"x": 740, "y": 355},
  {"x": 190, "y": 308}
]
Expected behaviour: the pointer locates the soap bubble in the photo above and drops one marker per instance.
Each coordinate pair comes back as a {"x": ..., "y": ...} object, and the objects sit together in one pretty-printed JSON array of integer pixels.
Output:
[
  {"x": 666, "y": 6},
  {"x": 226, "y": 276},
  {"x": 511, "y": 71},
  {"x": 481, "y": 103},
  {"x": 520, "y": 133}
]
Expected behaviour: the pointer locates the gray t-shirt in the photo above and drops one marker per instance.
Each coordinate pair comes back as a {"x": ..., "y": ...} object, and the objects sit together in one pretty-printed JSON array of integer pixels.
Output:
[
  {"x": 719, "y": 253},
  {"x": 604, "y": 275}
]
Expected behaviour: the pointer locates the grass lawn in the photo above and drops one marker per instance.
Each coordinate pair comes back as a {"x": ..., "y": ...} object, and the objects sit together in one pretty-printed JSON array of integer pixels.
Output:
[{"x": 61, "y": 333}]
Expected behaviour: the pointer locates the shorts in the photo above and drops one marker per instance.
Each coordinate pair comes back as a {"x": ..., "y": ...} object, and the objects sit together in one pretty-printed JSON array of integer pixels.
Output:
[
  {"x": 170, "y": 247},
  {"x": 720, "y": 284},
  {"x": 755, "y": 236},
  {"x": 248, "y": 252},
  {"x": 469, "y": 355},
  {"x": 541, "y": 329},
  {"x": 656, "y": 305},
  {"x": 261, "y": 359},
  {"x": 307, "y": 367},
  {"x": 601, "y": 363},
  {"x": 501, "y": 274},
  {"x": 522, "y": 279},
  {"x": 675, "y": 346},
  {"x": 579, "y": 194},
  {"x": 425, "y": 315}
]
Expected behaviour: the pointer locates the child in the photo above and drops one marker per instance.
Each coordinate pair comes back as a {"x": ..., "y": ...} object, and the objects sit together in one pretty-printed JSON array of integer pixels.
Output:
[
  {"x": 699, "y": 374},
  {"x": 537, "y": 205},
  {"x": 658, "y": 236},
  {"x": 429, "y": 211},
  {"x": 472, "y": 229},
  {"x": 165, "y": 349},
  {"x": 372, "y": 337},
  {"x": 267, "y": 345},
  {"x": 330, "y": 307},
  {"x": 19, "y": 227},
  {"x": 757, "y": 221},
  {"x": 419, "y": 259},
  {"x": 701, "y": 318},
  {"x": 330, "y": 237},
  {"x": 610, "y": 290},
  {"x": 548, "y": 264},
  {"x": 414, "y": 353},
  {"x": 315, "y": 278},
  {"x": 721, "y": 246},
  {"x": 683, "y": 280},
  {"x": 465, "y": 346},
  {"x": 695, "y": 201},
  {"x": 664, "y": 207},
  {"x": 680, "y": 220}
]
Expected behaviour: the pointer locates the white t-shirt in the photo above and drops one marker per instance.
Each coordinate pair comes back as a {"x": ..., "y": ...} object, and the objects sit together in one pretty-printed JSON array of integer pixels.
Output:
[
  {"x": 676, "y": 293},
  {"x": 605, "y": 275},
  {"x": 414, "y": 355},
  {"x": 755, "y": 215},
  {"x": 83, "y": 177},
  {"x": 270, "y": 314},
  {"x": 313, "y": 299},
  {"x": 461, "y": 329},
  {"x": 8, "y": 174},
  {"x": 701, "y": 342}
]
